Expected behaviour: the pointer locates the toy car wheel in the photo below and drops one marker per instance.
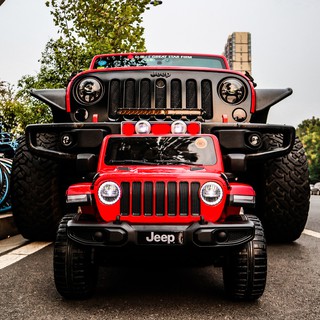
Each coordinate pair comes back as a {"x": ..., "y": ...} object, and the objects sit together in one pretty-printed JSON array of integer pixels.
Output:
[
  {"x": 283, "y": 193},
  {"x": 35, "y": 192},
  {"x": 245, "y": 270},
  {"x": 75, "y": 272}
]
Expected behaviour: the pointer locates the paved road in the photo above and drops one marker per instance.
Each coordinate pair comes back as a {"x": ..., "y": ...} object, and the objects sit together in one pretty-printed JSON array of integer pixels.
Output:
[{"x": 293, "y": 290}]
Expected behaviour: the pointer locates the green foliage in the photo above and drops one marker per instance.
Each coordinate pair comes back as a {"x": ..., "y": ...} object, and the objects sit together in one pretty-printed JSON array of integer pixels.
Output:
[
  {"x": 17, "y": 110},
  {"x": 85, "y": 28},
  {"x": 309, "y": 133}
]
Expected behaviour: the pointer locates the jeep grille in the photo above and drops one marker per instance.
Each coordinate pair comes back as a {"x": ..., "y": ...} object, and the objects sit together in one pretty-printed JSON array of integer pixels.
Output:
[
  {"x": 160, "y": 199},
  {"x": 160, "y": 97}
]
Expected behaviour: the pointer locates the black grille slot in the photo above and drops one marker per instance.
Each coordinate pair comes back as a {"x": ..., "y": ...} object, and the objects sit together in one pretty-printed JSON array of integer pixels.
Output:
[
  {"x": 160, "y": 198},
  {"x": 145, "y": 93},
  {"x": 195, "y": 201},
  {"x": 114, "y": 98},
  {"x": 184, "y": 198},
  {"x": 172, "y": 198},
  {"x": 161, "y": 93},
  {"x": 148, "y": 198},
  {"x": 125, "y": 199},
  {"x": 206, "y": 99},
  {"x": 176, "y": 94},
  {"x": 191, "y": 93},
  {"x": 136, "y": 198},
  {"x": 130, "y": 94}
]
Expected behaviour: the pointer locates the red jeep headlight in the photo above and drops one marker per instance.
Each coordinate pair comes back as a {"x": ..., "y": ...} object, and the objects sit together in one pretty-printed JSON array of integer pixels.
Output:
[
  {"x": 109, "y": 193},
  {"x": 211, "y": 193}
]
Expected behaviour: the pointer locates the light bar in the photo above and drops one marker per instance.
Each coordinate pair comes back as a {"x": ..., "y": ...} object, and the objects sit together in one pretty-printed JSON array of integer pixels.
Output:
[
  {"x": 159, "y": 112},
  {"x": 160, "y": 127}
]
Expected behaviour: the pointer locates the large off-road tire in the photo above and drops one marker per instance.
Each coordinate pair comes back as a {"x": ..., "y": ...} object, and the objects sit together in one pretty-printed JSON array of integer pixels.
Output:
[
  {"x": 245, "y": 269},
  {"x": 283, "y": 193},
  {"x": 75, "y": 269},
  {"x": 36, "y": 195}
]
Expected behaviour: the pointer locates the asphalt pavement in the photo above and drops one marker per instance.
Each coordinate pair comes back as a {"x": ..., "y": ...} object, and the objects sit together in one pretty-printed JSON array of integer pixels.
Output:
[{"x": 293, "y": 288}]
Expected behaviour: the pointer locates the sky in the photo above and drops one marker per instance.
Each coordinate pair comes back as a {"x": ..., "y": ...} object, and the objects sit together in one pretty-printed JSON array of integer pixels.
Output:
[{"x": 285, "y": 42}]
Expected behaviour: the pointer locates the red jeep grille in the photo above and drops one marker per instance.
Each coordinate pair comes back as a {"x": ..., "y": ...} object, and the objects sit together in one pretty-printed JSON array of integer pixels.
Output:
[{"x": 160, "y": 198}]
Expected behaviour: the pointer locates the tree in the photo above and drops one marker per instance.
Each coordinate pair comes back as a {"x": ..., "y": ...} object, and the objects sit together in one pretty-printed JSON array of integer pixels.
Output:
[
  {"x": 87, "y": 28},
  {"x": 17, "y": 110},
  {"x": 309, "y": 133}
]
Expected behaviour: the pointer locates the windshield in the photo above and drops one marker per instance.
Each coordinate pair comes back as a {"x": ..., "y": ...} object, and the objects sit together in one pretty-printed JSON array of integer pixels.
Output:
[
  {"x": 160, "y": 150},
  {"x": 132, "y": 60}
]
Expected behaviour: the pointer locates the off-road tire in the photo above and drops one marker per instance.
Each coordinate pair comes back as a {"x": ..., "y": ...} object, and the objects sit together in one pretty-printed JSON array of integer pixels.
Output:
[
  {"x": 283, "y": 193},
  {"x": 36, "y": 195},
  {"x": 245, "y": 270},
  {"x": 75, "y": 271}
]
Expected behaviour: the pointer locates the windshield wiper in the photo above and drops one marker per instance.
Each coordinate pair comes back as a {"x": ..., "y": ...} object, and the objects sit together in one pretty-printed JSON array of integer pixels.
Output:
[
  {"x": 178, "y": 162},
  {"x": 129, "y": 161}
]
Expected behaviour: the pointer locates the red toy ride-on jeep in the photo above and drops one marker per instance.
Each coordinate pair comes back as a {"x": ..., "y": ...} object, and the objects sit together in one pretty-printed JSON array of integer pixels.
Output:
[{"x": 161, "y": 186}]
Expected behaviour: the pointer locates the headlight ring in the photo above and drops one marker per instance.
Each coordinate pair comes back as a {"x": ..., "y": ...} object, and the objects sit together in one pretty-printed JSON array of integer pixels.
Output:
[
  {"x": 89, "y": 90},
  {"x": 109, "y": 193},
  {"x": 211, "y": 193},
  {"x": 232, "y": 91}
]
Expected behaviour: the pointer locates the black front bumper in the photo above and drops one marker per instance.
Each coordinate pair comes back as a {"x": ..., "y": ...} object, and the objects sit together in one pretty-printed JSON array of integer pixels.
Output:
[
  {"x": 75, "y": 138},
  {"x": 210, "y": 235}
]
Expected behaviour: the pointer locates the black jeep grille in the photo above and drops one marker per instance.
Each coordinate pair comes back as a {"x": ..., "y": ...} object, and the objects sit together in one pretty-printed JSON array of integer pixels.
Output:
[
  {"x": 160, "y": 93},
  {"x": 160, "y": 198}
]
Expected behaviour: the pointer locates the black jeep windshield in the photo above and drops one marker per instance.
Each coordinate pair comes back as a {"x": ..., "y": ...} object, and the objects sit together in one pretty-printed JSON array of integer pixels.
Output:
[
  {"x": 132, "y": 60},
  {"x": 160, "y": 150}
]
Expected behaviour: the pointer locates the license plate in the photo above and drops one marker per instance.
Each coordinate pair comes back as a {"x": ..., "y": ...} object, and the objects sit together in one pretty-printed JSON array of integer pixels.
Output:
[{"x": 160, "y": 238}]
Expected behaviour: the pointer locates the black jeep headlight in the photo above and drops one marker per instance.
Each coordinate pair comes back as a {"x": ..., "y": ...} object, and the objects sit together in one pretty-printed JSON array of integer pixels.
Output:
[
  {"x": 211, "y": 193},
  {"x": 89, "y": 90},
  {"x": 109, "y": 193},
  {"x": 232, "y": 91}
]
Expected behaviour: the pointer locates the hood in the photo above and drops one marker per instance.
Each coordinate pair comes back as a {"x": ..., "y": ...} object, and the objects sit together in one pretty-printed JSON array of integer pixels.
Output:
[{"x": 175, "y": 172}]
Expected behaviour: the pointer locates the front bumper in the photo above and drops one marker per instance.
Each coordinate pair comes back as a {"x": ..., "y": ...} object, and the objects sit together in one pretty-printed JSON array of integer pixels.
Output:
[
  {"x": 75, "y": 138},
  {"x": 210, "y": 235}
]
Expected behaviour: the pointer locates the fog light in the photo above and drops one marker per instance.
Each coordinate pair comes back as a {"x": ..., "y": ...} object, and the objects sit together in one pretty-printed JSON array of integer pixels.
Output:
[
  {"x": 255, "y": 140},
  {"x": 221, "y": 236},
  {"x": 66, "y": 140},
  {"x": 239, "y": 115}
]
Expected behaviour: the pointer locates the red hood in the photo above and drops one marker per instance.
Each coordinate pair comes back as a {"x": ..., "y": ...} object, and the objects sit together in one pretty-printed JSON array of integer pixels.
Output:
[{"x": 169, "y": 172}]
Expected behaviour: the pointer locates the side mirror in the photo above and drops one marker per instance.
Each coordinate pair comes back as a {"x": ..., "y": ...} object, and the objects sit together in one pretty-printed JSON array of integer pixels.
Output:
[{"x": 87, "y": 162}]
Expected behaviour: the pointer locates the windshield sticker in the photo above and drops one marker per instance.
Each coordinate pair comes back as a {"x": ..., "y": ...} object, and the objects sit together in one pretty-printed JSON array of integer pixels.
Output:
[{"x": 201, "y": 143}]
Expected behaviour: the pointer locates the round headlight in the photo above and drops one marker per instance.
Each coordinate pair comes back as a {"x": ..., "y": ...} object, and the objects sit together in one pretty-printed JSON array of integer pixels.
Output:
[
  {"x": 89, "y": 90},
  {"x": 232, "y": 91},
  {"x": 143, "y": 126},
  {"x": 211, "y": 193},
  {"x": 109, "y": 192},
  {"x": 178, "y": 127}
]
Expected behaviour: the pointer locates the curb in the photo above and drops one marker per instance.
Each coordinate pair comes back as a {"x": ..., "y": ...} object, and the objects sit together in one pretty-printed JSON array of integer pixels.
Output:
[{"x": 7, "y": 226}]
